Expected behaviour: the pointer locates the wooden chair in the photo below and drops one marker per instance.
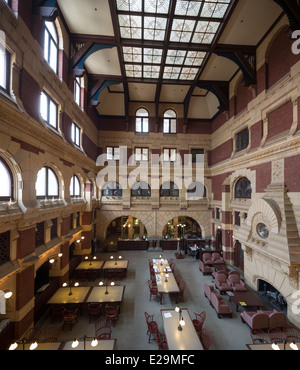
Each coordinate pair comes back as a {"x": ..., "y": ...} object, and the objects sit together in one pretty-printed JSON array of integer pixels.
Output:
[
  {"x": 258, "y": 336},
  {"x": 112, "y": 313},
  {"x": 33, "y": 334},
  {"x": 276, "y": 335},
  {"x": 205, "y": 339},
  {"x": 180, "y": 295},
  {"x": 57, "y": 310},
  {"x": 70, "y": 318},
  {"x": 199, "y": 321},
  {"x": 94, "y": 310},
  {"x": 51, "y": 334},
  {"x": 103, "y": 333},
  {"x": 292, "y": 334},
  {"x": 161, "y": 341},
  {"x": 152, "y": 290},
  {"x": 152, "y": 326}
]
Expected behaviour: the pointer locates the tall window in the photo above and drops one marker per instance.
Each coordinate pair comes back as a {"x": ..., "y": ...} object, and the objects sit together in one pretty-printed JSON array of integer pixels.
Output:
[
  {"x": 242, "y": 140},
  {"x": 141, "y": 154},
  {"x": 75, "y": 189},
  {"x": 141, "y": 189},
  {"x": 169, "y": 189},
  {"x": 169, "y": 155},
  {"x": 113, "y": 153},
  {"x": 49, "y": 110},
  {"x": 4, "y": 68},
  {"x": 75, "y": 134},
  {"x": 142, "y": 121},
  {"x": 170, "y": 122},
  {"x": 51, "y": 45},
  {"x": 4, "y": 247},
  {"x": 46, "y": 184},
  {"x": 112, "y": 189},
  {"x": 77, "y": 92},
  {"x": 6, "y": 183},
  {"x": 243, "y": 188}
]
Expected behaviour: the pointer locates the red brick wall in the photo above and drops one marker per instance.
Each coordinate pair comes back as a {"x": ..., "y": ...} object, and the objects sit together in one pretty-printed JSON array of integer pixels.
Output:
[
  {"x": 262, "y": 79},
  {"x": 280, "y": 120},
  {"x": 217, "y": 182},
  {"x": 24, "y": 287},
  {"x": 292, "y": 173},
  {"x": 26, "y": 242},
  {"x": 256, "y": 134},
  {"x": 65, "y": 226},
  {"x": 243, "y": 97},
  {"x": 280, "y": 57},
  {"x": 221, "y": 153},
  {"x": 263, "y": 176}
]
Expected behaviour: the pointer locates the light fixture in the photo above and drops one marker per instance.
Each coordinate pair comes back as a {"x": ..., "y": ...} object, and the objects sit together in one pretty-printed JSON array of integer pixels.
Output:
[
  {"x": 106, "y": 284},
  {"x": 75, "y": 343},
  {"x": 275, "y": 347},
  {"x": 33, "y": 346},
  {"x": 166, "y": 277},
  {"x": 181, "y": 319},
  {"x": 7, "y": 294},
  {"x": 54, "y": 259},
  {"x": 294, "y": 346},
  {"x": 94, "y": 342},
  {"x": 70, "y": 284},
  {"x": 13, "y": 346}
]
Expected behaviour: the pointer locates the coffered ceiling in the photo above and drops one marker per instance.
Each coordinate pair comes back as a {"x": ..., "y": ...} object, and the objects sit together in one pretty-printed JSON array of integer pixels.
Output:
[{"x": 155, "y": 52}]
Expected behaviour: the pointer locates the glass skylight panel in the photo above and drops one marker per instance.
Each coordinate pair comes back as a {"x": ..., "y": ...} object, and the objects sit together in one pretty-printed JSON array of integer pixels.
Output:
[
  {"x": 205, "y": 32},
  {"x": 214, "y": 9},
  {"x": 155, "y": 28},
  {"x": 182, "y": 30},
  {"x": 195, "y": 58},
  {"x": 152, "y": 56},
  {"x": 171, "y": 73},
  {"x": 133, "y": 70},
  {"x": 151, "y": 71},
  {"x": 188, "y": 73},
  {"x": 130, "y": 5},
  {"x": 156, "y": 6},
  {"x": 175, "y": 56},
  {"x": 132, "y": 54},
  {"x": 130, "y": 26},
  {"x": 188, "y": 8}
]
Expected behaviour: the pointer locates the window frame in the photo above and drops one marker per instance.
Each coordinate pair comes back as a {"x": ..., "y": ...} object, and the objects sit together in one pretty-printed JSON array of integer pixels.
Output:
[
  {"x": 169, "y": 155},
  {"x": 144, "y": 192},
  {"x": 244, "y": 181},
  {"x": 47, "y": 184},
  {"x": 49, "y": 100},
  {"x": 11, "y": 186},
  {"x": 170, "y": 191},
  {"x": 142, "y": 121},
  {"x": 169, "y": 120},
  {"x": 141, "y": 154},
  {"x": 7, "y": 70},
  {"x": 72, "y": 194},
  {"x": 242, "y": 140},
  {"x": 77, "y": 91},
  {"x": 113, "y": 153},
  {"x": 114, "y": 191},
  {"x": 56, "y": 43},
  {"x": 74, "y": 130}
]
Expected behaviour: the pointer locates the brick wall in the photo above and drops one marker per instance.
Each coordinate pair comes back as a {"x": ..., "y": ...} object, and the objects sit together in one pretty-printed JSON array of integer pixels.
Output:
[{"x": 280, "y": 120}]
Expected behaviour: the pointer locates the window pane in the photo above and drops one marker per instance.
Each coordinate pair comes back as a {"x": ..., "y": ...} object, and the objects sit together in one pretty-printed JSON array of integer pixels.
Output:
[
  {"x": 75, "y": 186},
  {"x": 145, "y": 154},
  {"x": 44, "y": 107},
  {"x": 46, "y": 46},
  {"x": 5, "y": 184},
  {"x": 166, "y": 126},
  {"x": 53, "y": 56},
  {"x": 145, "y": 125},
  {"x": 3, "y": 67},
  {"x": 51, "y": 28},
  {"x": 138, "y": 155},
  {"x": 77, "y": 130},
  {"x": 116, "y": 154},
  {"x": 173, "y": 155},
  {"x": 53, "y": 114},
  {"x": 138, "y": 125},
  {"x": 40, "y": 185},
  {"x": 173, "y": 126},
  {"x": 109, "y": 152},
  {"x": 166, "y": 155},
  {"x": 52, "y": 184}
]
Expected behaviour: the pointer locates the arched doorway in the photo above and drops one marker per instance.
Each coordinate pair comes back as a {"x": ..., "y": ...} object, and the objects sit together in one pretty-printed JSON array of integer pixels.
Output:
[
  {"x": 238, "y": 255},
  {"x": 272, "y": 295},
  {"x": 182, "y": 227},
  {"x": 124, "y": 228}
]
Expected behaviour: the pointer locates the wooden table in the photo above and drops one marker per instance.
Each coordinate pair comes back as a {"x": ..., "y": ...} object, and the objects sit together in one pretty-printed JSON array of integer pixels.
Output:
[
  {"x": 169, "y": 287},
  {"x": 159, "y": 266},
  {"x": 62, "y": 296},
  {"x": 115, "y": 265},
  {"x": 187, "y": 339},
  {"x": 90, "y": 265},
  {"x": 104, "y": 345},
  {"x": 267, "y": 347},
  {"x": 246, "y": 299},
  {"x": 115, "y": 294}
]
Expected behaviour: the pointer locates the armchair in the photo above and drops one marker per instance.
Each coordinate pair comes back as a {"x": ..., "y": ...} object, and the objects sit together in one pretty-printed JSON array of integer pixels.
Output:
[
  {"x": 255, "y": 320},
  {"x": 207, "y": 259},
  {"x": 236, "y": 283},
  {"x": 221, "y": 283},
  {"x": 217, "y": 258}
]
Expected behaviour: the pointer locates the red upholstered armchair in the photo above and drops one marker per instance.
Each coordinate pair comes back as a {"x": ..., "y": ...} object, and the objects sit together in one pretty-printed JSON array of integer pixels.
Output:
[
  {"x": 255, "y": 320},
  {"x": 221, "y": 283},
  {"x": 276, "y": 319},
  {"x": 207, "y": 259},
  {"x": 217, "y": 258},
  {"x": 236, "y": 283},
  {"x": 204, "y": 268}
]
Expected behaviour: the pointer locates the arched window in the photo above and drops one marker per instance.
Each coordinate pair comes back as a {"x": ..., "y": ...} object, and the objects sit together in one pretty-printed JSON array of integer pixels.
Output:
[
  {"x": 169, "y": 189},
  {"x": 51, "y": 45},
  {"x": 196, "y": 190},
  {"x": 141, "y": 189},
  {"x": 142, "y": 121},
  {"x": 112, "y": 189},
  {"x": 243, "y": 188},
  {"x": 170, "y": 122},
  {"x": 46, "y": 184},
  {"x": 7, "y": 183},
  {"x": 75, "y": 188}
]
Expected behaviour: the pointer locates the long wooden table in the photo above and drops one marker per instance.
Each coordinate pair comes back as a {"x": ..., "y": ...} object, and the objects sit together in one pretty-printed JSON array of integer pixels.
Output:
[
  {"x": 90, "y": 265},
  {"x": 103, "y": 345},
  {"x": 161, "y": 265},
  {"x": 115, "y": 265},
  {"x": 166, "y": 287},
  {"x": 187, "y": 339},
  {"x": 245, "y": 299}
]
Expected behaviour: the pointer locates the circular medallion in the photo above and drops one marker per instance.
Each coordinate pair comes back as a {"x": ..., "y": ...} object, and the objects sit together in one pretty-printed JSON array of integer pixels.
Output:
[{"x": 262, "y": 230}]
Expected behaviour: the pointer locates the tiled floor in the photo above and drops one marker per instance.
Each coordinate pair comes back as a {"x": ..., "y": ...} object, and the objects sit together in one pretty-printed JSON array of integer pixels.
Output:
[{"x": 130, "y": 330}]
